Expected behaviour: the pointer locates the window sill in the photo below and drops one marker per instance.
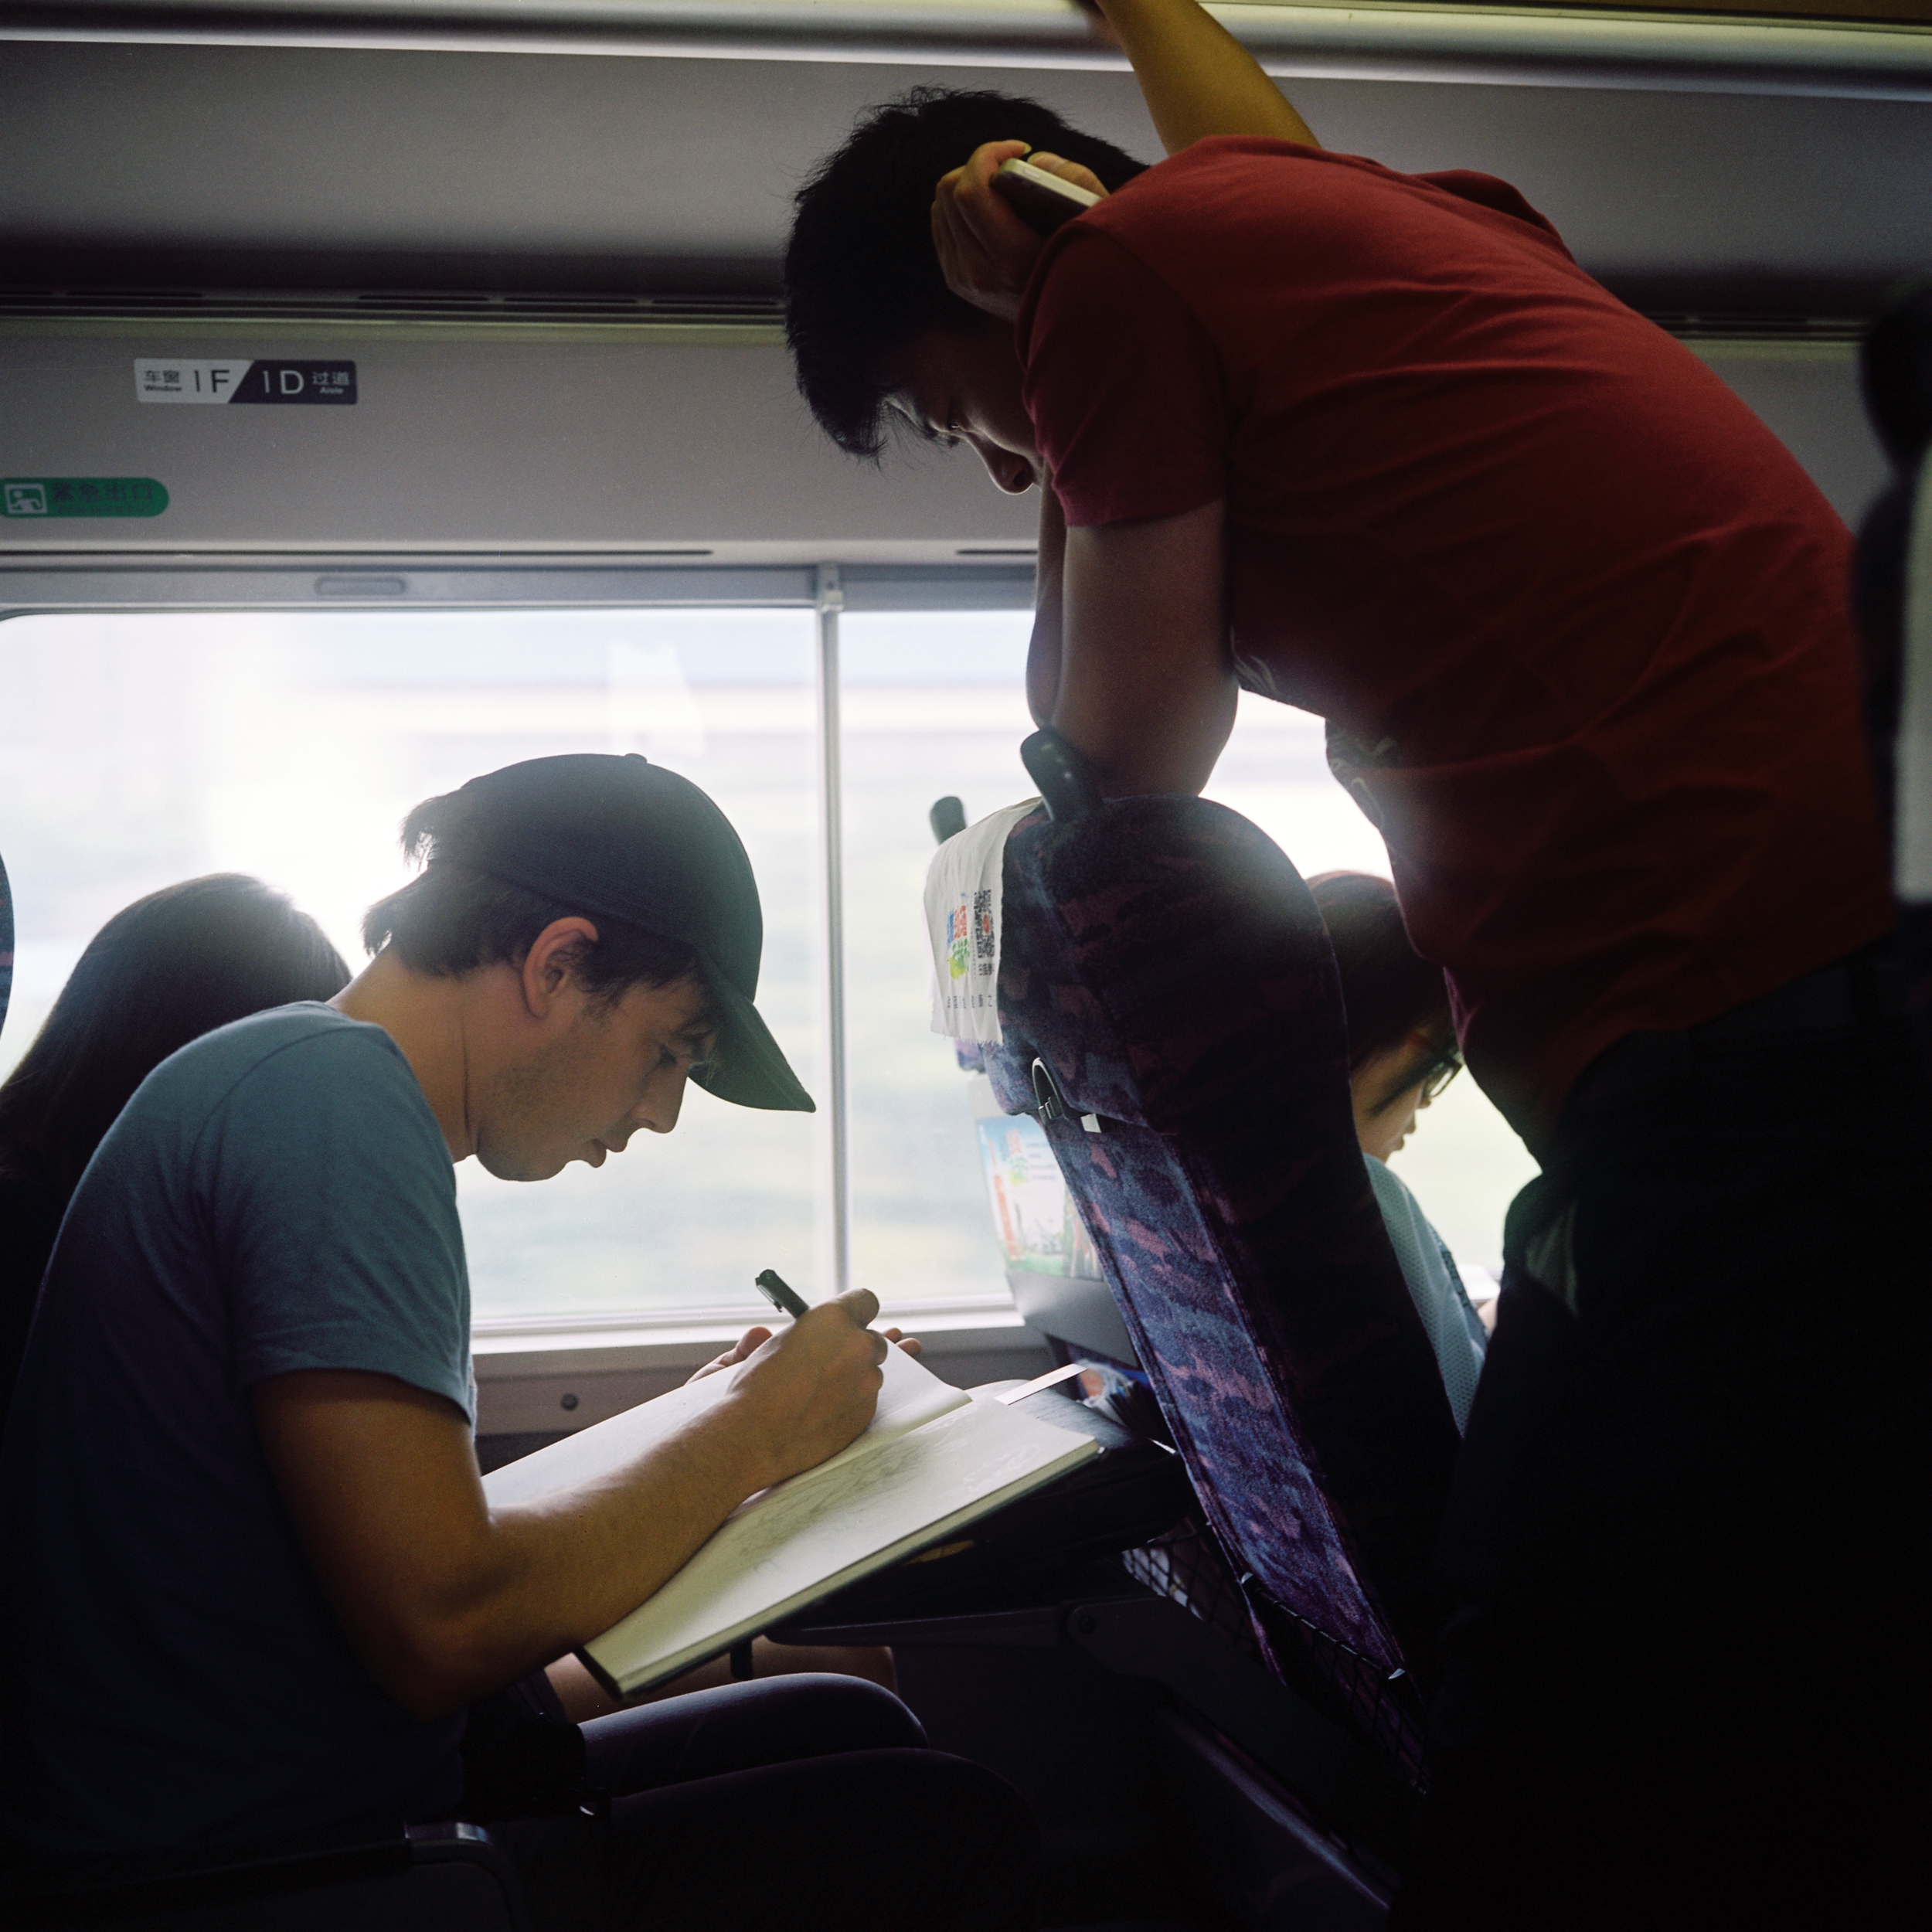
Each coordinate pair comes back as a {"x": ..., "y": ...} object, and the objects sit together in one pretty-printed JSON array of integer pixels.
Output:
[
  {"x": 682, "y": 1338},
  {"x": 566, "y": 1374}
]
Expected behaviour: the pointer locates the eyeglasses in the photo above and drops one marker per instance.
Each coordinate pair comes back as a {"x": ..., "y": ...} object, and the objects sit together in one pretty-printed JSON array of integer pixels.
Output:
[{"x": 1441, "y": 1070}]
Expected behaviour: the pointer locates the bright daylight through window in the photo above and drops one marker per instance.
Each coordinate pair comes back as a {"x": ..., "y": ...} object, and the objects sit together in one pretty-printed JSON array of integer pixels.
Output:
[{"x": 138, "y": 749}]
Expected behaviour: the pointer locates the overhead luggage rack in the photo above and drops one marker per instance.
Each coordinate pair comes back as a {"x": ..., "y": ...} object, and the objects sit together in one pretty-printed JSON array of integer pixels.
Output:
[
  {"x": 516, "y": 306},
  {"x": 1719, "y": 325},
  {"x": 683, "y": 310}
]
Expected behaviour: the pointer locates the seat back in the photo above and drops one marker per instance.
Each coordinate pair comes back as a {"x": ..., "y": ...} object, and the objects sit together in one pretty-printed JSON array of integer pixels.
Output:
[{"x": 1164, "y": 963}]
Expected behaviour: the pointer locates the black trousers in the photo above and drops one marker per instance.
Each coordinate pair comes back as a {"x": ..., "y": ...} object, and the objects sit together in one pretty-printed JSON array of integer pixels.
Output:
[
  {"x": 794, "y": 1802},
  {"x": 1685, "y": 1684}
]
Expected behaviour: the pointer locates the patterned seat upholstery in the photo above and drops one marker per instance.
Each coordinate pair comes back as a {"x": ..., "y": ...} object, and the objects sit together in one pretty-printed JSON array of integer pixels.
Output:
[{"x": 1164, "y": 960}]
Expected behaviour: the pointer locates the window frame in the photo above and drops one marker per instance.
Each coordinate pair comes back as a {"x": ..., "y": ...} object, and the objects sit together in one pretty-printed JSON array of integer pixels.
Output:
[{"x": 640, "y": 1348}]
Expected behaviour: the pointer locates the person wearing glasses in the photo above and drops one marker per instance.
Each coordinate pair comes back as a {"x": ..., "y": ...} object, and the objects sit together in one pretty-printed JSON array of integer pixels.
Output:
[{"x": 1402, "y": 1053}]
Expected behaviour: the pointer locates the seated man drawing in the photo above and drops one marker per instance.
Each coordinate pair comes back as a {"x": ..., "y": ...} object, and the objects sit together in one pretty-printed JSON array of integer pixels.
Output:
[{"x": 253, "y": 1582}]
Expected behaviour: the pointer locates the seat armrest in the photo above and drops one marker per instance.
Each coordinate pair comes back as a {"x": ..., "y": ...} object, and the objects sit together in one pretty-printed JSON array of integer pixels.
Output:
[{"x": 453, "y": 1843}]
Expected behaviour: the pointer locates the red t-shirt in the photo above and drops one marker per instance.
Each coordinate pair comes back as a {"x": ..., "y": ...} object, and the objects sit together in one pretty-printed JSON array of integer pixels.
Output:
[{"x": 1578, "y": 622}]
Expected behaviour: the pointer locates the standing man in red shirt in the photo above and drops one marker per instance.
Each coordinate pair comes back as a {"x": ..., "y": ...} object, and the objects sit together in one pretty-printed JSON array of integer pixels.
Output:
[{"x": 1374, "y": 445}]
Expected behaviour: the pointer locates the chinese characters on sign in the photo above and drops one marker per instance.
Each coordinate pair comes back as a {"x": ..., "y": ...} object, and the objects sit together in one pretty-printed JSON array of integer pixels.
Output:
[{"x": 174, "y": 379}]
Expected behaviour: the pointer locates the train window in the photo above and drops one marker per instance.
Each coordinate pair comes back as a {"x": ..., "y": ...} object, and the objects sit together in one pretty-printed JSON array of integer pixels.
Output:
[
  {"x": 932, "y": 704},
  {"x": 141, "y": 748}
]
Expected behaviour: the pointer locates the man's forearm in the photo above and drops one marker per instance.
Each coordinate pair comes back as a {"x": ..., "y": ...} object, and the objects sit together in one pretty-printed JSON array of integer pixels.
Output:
[
  {"x": 1136, "y": 742},
  {"x": 1147, "y": 690},
  {"x": 443, "y": 1598},
  {"x": 1049, "y": 596},
  {"x": 554, "y": 1572},
  {"x": 1197, "y": 79}
]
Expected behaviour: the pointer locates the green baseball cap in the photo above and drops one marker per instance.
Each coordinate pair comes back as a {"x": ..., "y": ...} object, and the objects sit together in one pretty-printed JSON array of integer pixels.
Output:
[{"x": 621, "y": 838}]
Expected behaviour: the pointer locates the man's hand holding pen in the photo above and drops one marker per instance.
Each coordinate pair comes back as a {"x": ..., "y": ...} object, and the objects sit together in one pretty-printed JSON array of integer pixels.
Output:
[
  {"x": 813, "y": 1386},
  {"x": 753, "y": 1339}
]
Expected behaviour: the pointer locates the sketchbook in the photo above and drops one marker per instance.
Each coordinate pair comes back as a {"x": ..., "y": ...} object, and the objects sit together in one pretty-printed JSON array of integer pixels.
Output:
[{"x": 935, "y": 1459}]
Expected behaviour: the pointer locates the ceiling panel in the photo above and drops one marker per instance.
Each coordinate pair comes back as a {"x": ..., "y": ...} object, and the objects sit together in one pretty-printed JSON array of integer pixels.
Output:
[{"x": 245, "y": 166}]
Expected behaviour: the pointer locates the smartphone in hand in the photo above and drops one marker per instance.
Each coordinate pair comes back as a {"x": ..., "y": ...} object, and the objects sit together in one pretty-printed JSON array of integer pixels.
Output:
[{"x": 1042, "y": 201}]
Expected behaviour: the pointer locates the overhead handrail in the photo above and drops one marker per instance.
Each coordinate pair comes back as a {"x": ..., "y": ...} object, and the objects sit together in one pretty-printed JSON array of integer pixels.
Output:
[{"x": 1382, "y": 39}]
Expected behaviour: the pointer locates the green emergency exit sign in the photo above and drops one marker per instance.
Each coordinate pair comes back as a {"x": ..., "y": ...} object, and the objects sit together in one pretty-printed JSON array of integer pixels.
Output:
[{"x": 55, "y": 496}]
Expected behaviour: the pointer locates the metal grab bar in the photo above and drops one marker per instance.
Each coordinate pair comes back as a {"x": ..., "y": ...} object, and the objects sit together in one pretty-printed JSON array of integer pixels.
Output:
[{"x": 1521, "y": 46}]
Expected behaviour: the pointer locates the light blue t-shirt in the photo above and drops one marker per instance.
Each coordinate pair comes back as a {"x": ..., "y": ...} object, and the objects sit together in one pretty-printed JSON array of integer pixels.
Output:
[
  {"x": 276, "y": 1196},
  {"x": 1455, "y": 1332}
]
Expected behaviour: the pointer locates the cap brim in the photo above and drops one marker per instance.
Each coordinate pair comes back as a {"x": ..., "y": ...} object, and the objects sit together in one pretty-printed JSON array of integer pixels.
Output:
[{"x": 748, "y": 1070}]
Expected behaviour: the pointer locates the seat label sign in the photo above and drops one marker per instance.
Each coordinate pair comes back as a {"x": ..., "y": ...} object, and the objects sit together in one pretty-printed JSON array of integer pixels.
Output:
[
  {"x": 56, "y": 496},
  {"x": 175, "y": 379}
]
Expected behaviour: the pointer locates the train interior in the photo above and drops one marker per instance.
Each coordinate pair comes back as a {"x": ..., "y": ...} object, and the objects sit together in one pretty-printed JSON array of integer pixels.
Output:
[{"x": 515, "y": 465}]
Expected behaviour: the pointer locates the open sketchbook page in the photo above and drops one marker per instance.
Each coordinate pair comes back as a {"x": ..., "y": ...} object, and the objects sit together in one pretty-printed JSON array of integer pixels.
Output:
[
  {"x": 830, "y": 1527},
  {"x": 910, "y": 1397}
]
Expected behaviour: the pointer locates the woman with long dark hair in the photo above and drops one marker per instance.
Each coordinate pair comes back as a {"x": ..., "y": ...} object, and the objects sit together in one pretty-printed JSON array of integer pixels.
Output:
[{"x": 162, "y": 972}]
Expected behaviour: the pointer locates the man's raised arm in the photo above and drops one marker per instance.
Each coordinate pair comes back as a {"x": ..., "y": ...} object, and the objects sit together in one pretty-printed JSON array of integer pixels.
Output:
[
  {"x": 443, "y": 1598},
  {"x": 1197, "y": 79}
]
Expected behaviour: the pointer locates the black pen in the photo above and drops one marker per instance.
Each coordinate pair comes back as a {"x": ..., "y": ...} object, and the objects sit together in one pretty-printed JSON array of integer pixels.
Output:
[{"x": 783, "y": 1297}]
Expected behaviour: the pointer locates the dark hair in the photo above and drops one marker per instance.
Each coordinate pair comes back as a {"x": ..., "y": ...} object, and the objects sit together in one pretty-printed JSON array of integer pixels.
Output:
[
  {"x": 1388, "y": 989},
  {"x": 162, "y": 972},
  {"x": 456, "y": 917},
  {"x": 862, "y": 279}
]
